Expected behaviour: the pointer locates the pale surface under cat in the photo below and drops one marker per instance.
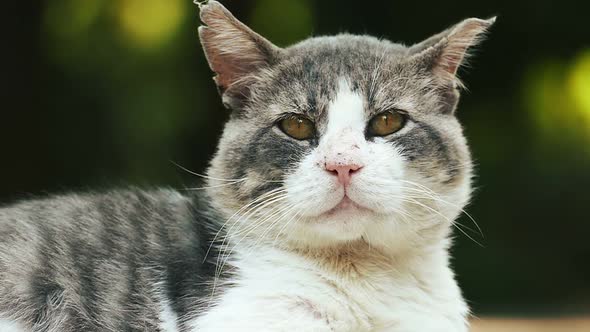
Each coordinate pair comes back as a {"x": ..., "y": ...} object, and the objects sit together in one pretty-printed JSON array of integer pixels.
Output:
[{"x": 329, "y": 203}]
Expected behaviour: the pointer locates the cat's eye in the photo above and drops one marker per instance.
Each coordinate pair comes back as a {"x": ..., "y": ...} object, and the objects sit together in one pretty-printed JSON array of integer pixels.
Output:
[
  {"x": 386, "y": 123},
  {"x": 298, "y": 127}
]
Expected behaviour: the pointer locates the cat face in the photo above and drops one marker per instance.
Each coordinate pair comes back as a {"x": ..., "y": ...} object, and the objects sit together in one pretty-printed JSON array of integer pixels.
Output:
[{"x": 338, "y": 139}]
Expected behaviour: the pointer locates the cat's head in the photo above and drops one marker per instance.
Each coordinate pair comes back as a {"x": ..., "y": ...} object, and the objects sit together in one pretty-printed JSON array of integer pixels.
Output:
[{"x": 338, "y": 139}]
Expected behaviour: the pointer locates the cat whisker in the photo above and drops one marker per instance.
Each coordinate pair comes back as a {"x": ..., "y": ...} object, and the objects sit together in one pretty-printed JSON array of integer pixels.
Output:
[
  {"x": 215, "y": 186},
  {"x": 431, "y": 195},
  {"x": 295, "y": 216},
  {"x": 457, "y": 226},
  {"x": 280, "y": 211},
  {"x": 438, "y": 198},
  {"x": 284, "y": 211},
  {"x": 246, "y": 206},
  {"x": 203, "y": 175},
  {"x": 257, "y": 224},
  {"x": 248, "y": 213},
  {"x": 269, "y": 214},
  {"x": 446, "y": 218}
]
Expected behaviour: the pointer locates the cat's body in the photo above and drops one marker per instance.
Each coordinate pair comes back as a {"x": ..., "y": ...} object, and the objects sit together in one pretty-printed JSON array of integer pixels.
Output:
[
  {"x": 329, "y": 204},
  {"x": 134, "y": 260}
]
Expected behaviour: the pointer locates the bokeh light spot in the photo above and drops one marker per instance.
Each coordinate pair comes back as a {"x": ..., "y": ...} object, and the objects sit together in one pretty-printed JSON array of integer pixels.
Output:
[
  {"x": 557, "y": 96},
  {"x": 545, "y": 99},
  {"x": 150, "y": 23},
  {"x": 283, "y": 22},
  {"x": 579, "y": 85}
]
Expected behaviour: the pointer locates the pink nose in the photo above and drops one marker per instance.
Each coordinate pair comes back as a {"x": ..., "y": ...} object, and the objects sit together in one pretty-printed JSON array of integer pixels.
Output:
[{"x": 344, "y": 172}]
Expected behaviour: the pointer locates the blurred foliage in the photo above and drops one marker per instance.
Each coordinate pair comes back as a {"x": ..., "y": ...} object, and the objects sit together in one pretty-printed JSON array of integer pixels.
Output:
[
  {"x": 108, "y": 92},
  {"x": 149, "y": 23},
  {"x": 268, "y": 20}
]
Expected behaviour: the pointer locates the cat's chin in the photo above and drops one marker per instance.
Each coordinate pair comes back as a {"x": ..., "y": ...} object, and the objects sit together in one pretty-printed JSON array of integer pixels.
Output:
[{"x": 346, "y": 221}]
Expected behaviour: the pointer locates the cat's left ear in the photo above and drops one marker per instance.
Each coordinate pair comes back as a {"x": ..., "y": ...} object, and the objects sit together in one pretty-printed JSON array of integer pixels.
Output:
[
  {"x": 234, "y": 52},
  {"x": 445, "y": 52}
]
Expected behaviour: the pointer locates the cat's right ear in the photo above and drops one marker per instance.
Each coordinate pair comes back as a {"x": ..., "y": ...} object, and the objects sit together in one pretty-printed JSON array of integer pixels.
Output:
[
  {"x": 234, "y": 52},
  {"x": 445, "y": 52}
]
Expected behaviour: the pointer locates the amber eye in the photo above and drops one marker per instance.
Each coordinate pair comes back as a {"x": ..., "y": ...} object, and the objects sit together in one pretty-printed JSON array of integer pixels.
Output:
[
  {"x": 297, "y": 127},
  {"x": 386, "y": 123}
]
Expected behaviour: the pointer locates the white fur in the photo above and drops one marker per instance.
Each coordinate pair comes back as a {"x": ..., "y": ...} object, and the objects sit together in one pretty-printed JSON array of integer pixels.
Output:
[
  {"x": 282, "y": 291},
  {"x": 9, "y": 326},
  {"x": 381, "y": 267},
  {"x": 346, "y": 112},
  {"x": 168, "y": 318}
]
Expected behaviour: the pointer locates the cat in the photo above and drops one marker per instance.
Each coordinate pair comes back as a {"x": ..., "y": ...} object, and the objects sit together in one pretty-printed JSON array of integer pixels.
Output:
[{"x": 328, "y": 205}]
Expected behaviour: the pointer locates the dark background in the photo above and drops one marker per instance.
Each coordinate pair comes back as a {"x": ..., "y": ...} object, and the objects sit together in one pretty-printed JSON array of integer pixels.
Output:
[{"x": 104, "y": 93}]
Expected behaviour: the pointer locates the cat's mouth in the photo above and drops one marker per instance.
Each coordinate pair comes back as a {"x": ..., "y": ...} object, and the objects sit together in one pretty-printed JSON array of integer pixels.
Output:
[{"x": 346, "y": 205}]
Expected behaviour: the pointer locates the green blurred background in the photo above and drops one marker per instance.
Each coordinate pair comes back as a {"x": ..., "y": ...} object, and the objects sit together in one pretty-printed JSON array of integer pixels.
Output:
[{"x": 108, "y": 92}]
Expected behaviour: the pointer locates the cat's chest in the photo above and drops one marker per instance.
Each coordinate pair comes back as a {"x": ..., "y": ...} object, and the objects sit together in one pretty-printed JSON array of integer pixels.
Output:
[
  {"x": 342, "y": 294},
  {"x": 374, "y": 297}
]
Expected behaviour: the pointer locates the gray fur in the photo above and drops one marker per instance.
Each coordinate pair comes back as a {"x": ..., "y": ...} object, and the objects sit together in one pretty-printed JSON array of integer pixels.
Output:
[
  {"x": 101, "y": 261},
  {"x": 98, "y": 261}
]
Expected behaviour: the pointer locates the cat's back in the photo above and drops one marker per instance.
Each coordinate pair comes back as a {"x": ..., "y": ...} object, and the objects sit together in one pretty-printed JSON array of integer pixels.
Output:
[
  {"x": 116, "y": 219},
  {"x": 114, "y": 260}
]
